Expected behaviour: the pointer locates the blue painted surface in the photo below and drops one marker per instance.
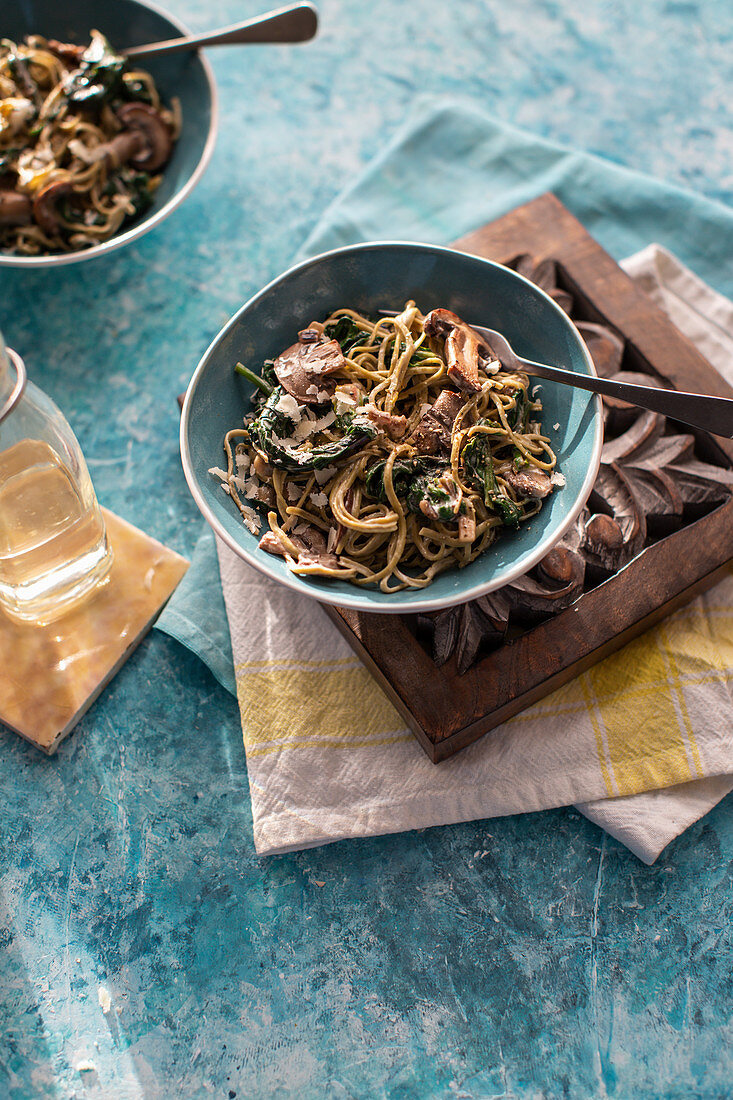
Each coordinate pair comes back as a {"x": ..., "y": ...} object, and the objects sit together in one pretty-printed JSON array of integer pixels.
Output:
[{"x": 522, "y": 957}]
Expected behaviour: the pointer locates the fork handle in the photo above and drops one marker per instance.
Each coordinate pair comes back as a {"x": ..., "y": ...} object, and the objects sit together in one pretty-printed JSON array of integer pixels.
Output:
[
  {"x": 297, "y": 23},
  {"x": 712, "y": 414}
]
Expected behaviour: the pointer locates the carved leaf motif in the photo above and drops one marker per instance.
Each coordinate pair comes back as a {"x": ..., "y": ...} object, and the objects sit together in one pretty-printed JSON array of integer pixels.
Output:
[{"x": 649, "y": 483}]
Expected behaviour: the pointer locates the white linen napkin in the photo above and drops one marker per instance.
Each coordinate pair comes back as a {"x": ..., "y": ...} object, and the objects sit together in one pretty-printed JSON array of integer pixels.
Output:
[{"x": 328, "y": 757}]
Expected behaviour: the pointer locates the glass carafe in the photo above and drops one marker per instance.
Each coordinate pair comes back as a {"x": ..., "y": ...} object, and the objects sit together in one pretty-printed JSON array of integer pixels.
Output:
[{"x": 53, "y": 543}]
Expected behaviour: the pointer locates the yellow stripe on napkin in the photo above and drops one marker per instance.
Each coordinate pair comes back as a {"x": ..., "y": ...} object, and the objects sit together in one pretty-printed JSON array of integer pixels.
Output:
[{"x": 313, "y": 703}]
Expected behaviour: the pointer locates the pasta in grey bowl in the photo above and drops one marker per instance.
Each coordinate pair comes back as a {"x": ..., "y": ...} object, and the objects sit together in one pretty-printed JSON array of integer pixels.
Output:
[
  {"x": 348, "y": 435},
  {"x": 94, "y": 152}
]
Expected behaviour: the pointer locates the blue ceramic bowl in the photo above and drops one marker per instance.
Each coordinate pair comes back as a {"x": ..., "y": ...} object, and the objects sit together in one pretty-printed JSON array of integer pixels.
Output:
[
  {"x": 370, "y": 277},
  {"x": 187, "y": 76}
]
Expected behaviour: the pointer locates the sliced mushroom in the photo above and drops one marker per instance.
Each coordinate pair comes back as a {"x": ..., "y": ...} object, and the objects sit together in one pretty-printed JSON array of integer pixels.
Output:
[
  {"x": 310, "y": 543},
  {"x": 663, "y": 451},
  {"x": 157, "y": 137},
  {"x": 66, "y": 51},
  {"x": 392, "y": 424},
  {"x": 15, "y": 208},
  {"x": 463, "y": 347},
  {"x": 303, "y": 370},
  {"x": 658, "y": 496},
  {"x": 45, "y": 203},
  {"x": 530, "y": 482},
  {"x": 433, "y": 432},
  {"x": 122, "y": 148}
]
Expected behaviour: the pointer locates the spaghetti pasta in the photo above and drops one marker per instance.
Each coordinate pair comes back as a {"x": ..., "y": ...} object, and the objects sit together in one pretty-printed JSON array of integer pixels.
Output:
[
  {"x": 83, "y": 138},
  {"x": 387, "y": 451}
]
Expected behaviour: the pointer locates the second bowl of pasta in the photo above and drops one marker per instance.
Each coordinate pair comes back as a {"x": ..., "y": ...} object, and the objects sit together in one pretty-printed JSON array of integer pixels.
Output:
[{"x": 95, "y": 149}]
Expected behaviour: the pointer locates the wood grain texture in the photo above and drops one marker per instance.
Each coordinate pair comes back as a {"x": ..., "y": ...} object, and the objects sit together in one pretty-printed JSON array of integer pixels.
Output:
[{"x": 447, "y": 711}]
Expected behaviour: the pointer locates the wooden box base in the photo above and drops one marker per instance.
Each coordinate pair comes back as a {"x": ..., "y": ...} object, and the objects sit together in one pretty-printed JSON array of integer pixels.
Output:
[{"x": 448, "y": 711}]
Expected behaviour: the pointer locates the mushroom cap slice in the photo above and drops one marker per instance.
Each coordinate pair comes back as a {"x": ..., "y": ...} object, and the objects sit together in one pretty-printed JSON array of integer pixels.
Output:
[
  {"x": 156, "y": 135},
  {"x": 303, "y": 370},
  {"x": 44, "y": 205},
  {"x": 15, "y": 208},
  {"x": 463, "y": 347},
  {"x": 123, "y": 147}
]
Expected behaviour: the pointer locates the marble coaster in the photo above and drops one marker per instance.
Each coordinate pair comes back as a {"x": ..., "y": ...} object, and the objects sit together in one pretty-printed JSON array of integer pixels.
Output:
[{"x": 49, "y": 676}]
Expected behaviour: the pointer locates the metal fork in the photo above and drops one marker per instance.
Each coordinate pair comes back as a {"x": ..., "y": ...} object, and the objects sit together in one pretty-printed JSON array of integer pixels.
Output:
[{"x": 712, "y": 414}]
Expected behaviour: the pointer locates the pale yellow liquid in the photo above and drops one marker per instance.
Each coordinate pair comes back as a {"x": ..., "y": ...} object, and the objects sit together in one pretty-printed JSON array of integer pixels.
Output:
[{"x": 53, "y": 546}]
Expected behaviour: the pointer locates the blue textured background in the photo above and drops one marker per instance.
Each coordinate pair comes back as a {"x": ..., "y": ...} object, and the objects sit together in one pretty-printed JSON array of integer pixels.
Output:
[{"x": 521, "y": 957}]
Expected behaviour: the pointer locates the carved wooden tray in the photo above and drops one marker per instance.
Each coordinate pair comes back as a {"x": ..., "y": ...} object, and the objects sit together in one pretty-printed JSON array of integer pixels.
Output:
[{"x": 657, "y": 531}]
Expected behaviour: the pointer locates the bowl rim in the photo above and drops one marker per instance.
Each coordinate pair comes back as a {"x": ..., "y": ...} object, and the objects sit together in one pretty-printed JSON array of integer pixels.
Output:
[
  {"x": 136, "y": 231},
  {"x": 356, "y": 601}
]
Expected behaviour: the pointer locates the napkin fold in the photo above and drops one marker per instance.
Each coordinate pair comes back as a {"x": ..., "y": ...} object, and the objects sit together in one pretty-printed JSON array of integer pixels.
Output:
[{"x": 642, "y": 742}]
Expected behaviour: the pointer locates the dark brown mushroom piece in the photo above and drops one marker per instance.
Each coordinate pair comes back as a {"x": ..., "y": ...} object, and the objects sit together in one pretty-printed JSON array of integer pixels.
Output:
[
  {"x": 392, "y": 424},
  {"x": 156, "y": 136},
  {"x": 463, "y": 348},
  {"x": 15, "y": 208},
  {"x": 66, "y": 51},
  {"x": 45, "y": 205},
  {"x": 304, "y": 370},
  {"x": 433, "y": 432},
  {"x": 528, "y": 482},
  {"x": 122, "y": 148},
  {"x": 544, "y": 274},
  {"x": 310, "y": 543}
]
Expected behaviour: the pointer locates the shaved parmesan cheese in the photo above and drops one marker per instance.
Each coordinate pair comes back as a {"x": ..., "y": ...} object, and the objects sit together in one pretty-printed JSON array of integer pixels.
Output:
[
  {"x": 325, "y": 421},
  {"x": 218, "y": 472},
  {"x": 292, "y": 492},
  {"x": 290, "y": 407},
  {"x": 243, "y": 462},
  {"x": 320, "y": 500},
  {"x": 252, "y": 521},
  {"x": 343, "y": 402},
  {"x": 15, "y": 111},
  {"x": 558, "y": 479},
  {"x": 78, "y": 149},
  {"x": 324, "y": 475},
  {"x": 303, "y": 430}
]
